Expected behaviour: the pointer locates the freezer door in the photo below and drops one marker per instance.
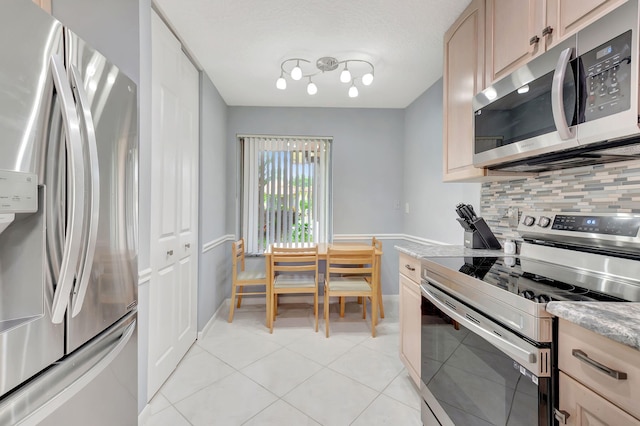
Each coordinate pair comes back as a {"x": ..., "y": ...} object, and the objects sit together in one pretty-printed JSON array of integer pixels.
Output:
[
  {"x": 29, "y": 340},
  {"x": 106, "y": 288},
  {"x": 96, "y": 385}
]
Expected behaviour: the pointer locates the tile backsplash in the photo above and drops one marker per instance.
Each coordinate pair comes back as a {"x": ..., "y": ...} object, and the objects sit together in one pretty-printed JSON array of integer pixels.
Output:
[{"x": 603, "y": 188}]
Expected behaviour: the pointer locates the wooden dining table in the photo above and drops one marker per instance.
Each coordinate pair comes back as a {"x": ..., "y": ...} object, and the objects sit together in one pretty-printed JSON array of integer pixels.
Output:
[{"x": 322, "y": 255}]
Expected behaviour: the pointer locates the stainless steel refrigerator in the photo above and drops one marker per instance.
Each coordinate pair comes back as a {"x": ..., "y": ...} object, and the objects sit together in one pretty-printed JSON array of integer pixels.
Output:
[{"x": 68, "y": 227}]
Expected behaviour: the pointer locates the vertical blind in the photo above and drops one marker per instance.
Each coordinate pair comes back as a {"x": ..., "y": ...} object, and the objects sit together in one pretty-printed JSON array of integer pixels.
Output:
[{"x": 285, "y": 190}]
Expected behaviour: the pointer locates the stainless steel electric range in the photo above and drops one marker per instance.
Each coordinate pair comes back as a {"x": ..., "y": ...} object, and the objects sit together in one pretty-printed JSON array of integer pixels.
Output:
[{"x": 488, "y": 344}]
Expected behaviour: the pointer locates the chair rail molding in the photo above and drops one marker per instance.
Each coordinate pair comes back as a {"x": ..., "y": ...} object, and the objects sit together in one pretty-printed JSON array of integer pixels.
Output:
[
  {"x": 411, "y": 238},
  {"x": 218, "y": 241},
  {"x": 144, "y": 276}
]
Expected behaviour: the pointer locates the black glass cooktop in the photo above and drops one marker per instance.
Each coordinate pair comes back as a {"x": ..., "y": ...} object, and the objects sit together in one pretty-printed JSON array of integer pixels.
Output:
[{"x": 529, "y": 282}]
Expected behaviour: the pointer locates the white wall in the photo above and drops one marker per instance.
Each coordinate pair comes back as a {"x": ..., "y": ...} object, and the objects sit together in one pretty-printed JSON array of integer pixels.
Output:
[{"x": 432, "y": 203}]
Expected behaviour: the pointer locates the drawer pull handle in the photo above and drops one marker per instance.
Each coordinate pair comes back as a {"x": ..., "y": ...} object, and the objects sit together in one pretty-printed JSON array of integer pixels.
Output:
[
  {"x": 547, "y": 31},
  {"x": 409, "y": 267},
  {"x": 582, "y": 356},
  {"x": 169, "y": 252},
  {"x": 534, "y": 40}
]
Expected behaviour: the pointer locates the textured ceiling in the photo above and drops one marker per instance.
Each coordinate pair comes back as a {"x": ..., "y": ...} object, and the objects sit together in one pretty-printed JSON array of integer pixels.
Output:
[{"x": 241, "y": 43}]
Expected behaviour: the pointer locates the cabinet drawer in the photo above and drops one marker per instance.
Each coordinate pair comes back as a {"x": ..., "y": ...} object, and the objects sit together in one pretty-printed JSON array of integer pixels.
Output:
[
  {"x": 410, "y": 267},
  {"x": 575, "y": 344},
  {"x": 585, "y": 407}
]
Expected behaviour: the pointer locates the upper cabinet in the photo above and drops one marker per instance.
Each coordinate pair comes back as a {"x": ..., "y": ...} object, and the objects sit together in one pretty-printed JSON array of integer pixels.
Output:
[
  {"x": 463, "y": 77},
  {"x": 44, "y": 4},
  {"x": 568, "y": 16},
  {"x": 519, "y": 30},
  {"x": 514, "y": 35}
]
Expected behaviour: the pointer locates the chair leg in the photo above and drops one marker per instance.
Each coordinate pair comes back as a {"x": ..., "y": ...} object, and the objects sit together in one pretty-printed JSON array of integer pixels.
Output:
[
  {"x": 240, "y": 290},
  {"x": 342, "y": 303},
  {"x": 315, "y": 307},
  {"x": 326, "y": 311},
  {"x": 233, "y": 302},
  {"x": 364, "y": 308},
  {"x": 380, "y": 305},
  {"x": 359, "y": 300},
  {"x": 271, "y": 312},
  {"x": 374, "y": 316}
]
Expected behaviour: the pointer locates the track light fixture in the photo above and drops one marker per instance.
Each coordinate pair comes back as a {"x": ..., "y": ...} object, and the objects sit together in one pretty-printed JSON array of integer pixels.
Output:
[{"x": 304, "y": 69}]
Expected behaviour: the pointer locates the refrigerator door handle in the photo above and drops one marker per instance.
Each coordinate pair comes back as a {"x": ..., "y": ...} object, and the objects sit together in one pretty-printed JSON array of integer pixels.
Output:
[
  {"x": 72, "y": 244},
  {"x": 93, "y": 204}
]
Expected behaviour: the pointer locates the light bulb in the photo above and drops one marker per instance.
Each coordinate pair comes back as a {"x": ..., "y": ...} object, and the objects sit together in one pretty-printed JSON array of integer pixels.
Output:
[
  {"x": 312, "y": 89},
  {"x": 353, "y": 91},
  {"x": 367, "y": 79},
  {"x": 524, "y": 89},
  {"x": 345, "y": 75},
  {"x": 281, "y": 83},
  {"x": 296, "y": 72}
]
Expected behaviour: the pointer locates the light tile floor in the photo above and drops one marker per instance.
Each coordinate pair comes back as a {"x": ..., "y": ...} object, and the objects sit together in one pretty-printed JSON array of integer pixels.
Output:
[{"x": 239, "y": 374}]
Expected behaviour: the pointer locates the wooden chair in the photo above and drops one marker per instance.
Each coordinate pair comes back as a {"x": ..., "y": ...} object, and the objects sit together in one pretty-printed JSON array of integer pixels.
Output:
[
  {"x": 352, "y": 272},
  {"x": 378, "y": 246},
  {"x": 241, "y": 278},
  {"x": 294, "y": 270}
]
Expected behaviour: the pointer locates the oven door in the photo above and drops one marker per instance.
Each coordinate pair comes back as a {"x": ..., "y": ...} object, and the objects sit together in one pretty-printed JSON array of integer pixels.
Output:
[{"x": 475, "y": 372}]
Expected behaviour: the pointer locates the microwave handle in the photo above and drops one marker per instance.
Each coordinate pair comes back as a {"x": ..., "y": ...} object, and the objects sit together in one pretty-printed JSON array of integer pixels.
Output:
[{"x": 557, "y": 96}]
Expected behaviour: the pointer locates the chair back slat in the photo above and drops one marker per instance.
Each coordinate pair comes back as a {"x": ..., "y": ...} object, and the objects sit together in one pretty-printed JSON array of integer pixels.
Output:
[
  {"x": 347, "y": 261},
  {"x": 288, "y": 259}
]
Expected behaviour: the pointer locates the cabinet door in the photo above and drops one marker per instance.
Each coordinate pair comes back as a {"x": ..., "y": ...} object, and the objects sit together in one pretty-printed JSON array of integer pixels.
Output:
[
  {"x": 462, "y": 79},
  {"x": 514, "y": 35},
  {"x": 44, "y": 4},
  {"x": 568, "y": 16},
  {"x": 410, "y": 317},
  {"x": 586, "y": 408}
]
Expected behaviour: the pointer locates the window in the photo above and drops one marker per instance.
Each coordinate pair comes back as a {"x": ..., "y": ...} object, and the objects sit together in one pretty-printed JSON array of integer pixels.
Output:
[{"x": 285, "y": 190}]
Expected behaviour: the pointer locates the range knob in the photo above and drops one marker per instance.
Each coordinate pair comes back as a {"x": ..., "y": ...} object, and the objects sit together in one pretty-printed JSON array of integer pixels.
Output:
[
  {"x": 542, "y": 298},
  {"x": 528, "y": 294},
  {"x": 544, "y": 221},
  {"x": 529, "y": 220}
]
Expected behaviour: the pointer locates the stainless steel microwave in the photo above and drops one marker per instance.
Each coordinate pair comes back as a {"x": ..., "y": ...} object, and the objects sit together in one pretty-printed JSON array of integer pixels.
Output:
[{"x": 575, "y": 104}]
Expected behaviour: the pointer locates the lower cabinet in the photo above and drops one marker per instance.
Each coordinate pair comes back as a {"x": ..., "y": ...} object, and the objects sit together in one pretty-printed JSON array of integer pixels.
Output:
[
  {"x": 599, "y": 379},
  {"x": 583, "y": 407},
  {"x": 410, "y": 316}
]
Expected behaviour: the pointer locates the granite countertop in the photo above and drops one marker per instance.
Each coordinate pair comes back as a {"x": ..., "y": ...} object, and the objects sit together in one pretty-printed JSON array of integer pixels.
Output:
[
  {"x": 419, "y": 251},
  {"x": 619, "y": 321}
]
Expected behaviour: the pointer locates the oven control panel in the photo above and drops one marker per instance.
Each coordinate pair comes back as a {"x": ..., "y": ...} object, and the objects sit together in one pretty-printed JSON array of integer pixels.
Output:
[
  {"x": 609, "y": 225},
  {"x": 590, "y": 225}
]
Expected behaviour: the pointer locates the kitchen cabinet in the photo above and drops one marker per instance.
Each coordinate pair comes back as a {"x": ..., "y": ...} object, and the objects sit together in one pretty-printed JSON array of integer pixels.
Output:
[
  {"x": 517, "y": 31},
  {"x": 44, "y": 4},
  {"x": 463, "y": 77},
  {"x": 410, "y": 315},
  {"x": 588, "y": 395}
]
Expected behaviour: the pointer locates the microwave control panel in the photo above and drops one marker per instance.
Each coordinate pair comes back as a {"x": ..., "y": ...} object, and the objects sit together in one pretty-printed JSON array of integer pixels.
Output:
[{"x": 607, "y": 71}]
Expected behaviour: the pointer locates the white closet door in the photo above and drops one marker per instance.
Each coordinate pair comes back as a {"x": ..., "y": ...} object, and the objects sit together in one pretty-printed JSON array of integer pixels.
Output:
[{"x": 174, "y": 205}]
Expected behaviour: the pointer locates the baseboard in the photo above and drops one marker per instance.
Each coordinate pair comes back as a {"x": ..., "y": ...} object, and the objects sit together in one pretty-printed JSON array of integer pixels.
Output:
[
  {"x": 209, "y": 323},
  {"x": 144, "y": 415}
]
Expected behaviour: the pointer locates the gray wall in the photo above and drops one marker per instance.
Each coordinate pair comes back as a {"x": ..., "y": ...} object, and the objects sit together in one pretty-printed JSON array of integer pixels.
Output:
[
  {"x": 214, "y": 264},
  {"x": 367, "y": 159},
  {"x": 431, "y": 202},
  {"x": 367, "y": 167}
]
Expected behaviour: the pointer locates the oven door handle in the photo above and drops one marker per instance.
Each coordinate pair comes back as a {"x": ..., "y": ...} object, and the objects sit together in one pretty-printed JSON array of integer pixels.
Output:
[{"x": 504, "y": 345}]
